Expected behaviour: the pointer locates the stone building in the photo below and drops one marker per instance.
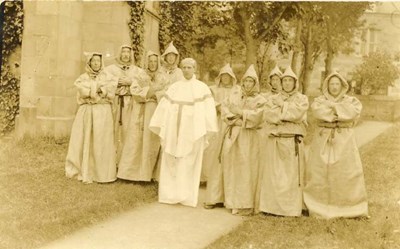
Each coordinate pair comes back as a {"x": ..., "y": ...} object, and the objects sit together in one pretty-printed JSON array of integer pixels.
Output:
[{"x": 56, "y": 33}]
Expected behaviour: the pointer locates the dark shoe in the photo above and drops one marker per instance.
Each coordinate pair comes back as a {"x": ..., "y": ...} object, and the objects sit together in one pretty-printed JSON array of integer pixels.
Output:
[
  {"x": 208, "y": 206},
  {"x": 211, "y": 206},
  {"x": 305, "y": 212},
  {"x": 219, "y": 205}
]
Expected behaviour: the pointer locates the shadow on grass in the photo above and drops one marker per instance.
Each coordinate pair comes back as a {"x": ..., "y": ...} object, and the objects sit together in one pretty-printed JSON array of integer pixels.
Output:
[{"x": 39, "y": 204}]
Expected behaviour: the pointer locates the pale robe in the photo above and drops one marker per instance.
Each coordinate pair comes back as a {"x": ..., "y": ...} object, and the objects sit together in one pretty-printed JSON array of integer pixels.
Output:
[
  {"x": 212, "y": 167},
  {"x": 174, "y": 73},
  {"x": 241, "y": 149},
  {"x": 122, "y": 105},
  {"x": 183, "y": 119},
  {"x": 281, "y": 179},
  {"x": 91, "y": 150},
  {"x": 335, "y": 181},
  {"x": 142, "y": 147},
  {"x": 266, "y": 132}
]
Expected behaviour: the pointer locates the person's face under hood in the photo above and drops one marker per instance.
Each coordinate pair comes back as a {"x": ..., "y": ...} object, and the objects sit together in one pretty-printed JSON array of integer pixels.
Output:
[
  {"x": 288, "y": 84},
  {"x": 334, "y": 86},
  {"x": 170, "y": 58},
  {"x": 264, "y": 80},
  {"x": 275, "y": 82},
  {"x": 95, "y": 63},
  {"x": 226, "y": 80},
  {"x": 125, "y": 55},
  {"x": 153, "y": 63},
  {"x": 248, "y": 84}
]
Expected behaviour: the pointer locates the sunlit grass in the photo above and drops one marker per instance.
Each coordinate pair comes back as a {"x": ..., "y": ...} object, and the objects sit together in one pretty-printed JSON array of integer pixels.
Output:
[{"x": 381, "y": 162}]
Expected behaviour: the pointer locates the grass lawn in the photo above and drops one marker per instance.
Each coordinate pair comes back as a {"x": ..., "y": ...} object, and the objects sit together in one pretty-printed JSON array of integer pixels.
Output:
[
  {"x": 39, "y": 204},
  {"x": 381, "y": 162}
]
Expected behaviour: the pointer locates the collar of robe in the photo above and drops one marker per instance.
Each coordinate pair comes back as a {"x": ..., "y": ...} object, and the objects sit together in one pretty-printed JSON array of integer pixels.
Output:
[
  {"x": 251, "y": 93},
  {"x": 124, "y": 66},
  {"x": 170, "y": 68},
  {"x": 152, "y": 74},
  {"x": 274, "y": 90},
  {"x": 93, "y": 74}
]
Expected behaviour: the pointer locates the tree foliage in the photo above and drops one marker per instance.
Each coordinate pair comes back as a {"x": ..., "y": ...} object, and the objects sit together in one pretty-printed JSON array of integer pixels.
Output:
[
  {"x": 12, "y": 26},
  {"x": 324, "y": 27},
  {"x": 196, "y": 27},
  {"x": 199, "y": 30},
  {"x": 377, "y": 72},
  {"x": 341, "y": 22}
]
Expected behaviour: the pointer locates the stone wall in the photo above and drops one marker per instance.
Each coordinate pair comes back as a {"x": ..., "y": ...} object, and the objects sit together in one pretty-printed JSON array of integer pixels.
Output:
[
  {"x": 55, "y": 36},
  {"x": 381, "y": 108}
]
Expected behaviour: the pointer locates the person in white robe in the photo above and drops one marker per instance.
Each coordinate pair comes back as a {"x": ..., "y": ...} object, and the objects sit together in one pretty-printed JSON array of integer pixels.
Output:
[
  {"x": 334, "y": 177},
  {"x": 225, "y": 83},
  {"x": 141, "y": 147},
  {"x": 281, "y": 182},
  {"x": 242, "y": 112},
  {"x": 127, "y": 72},
  {"x": 184, "y": 119},
  {"x": 170, "y": 62},
  {"x": 91, "y": 151}
]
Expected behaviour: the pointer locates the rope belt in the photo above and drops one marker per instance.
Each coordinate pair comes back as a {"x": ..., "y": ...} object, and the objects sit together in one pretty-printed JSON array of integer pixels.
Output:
[
  {"x": 121, "y": 103},
  {"x": 335, "y": 126},
  {"x": 228, "y": 131}
]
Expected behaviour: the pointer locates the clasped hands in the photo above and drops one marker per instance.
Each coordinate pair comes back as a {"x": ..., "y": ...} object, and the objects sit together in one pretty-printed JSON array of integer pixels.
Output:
[
  {"x": 236, "y": 110},
  {"x": 278, "y": 102},
  {"x": 124, "y": 81}
]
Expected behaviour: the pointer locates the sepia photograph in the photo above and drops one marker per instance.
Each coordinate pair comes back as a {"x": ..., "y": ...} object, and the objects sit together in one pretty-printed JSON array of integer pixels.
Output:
[{"x": 199, "y": 124}]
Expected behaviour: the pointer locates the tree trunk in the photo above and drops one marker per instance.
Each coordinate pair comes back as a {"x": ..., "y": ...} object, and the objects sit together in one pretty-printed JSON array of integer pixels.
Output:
[
  {"x": 251, "y": 48},
  {"x": 329, "y": 50},
  {"x": 308, "y": 61},
  {"x": 297, "y": 48}
]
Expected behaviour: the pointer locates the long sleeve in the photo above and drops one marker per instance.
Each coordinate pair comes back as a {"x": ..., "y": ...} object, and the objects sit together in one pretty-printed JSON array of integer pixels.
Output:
[
  {"x": 83, "y": 91},
  {"x": 139, "y": 94},
  {"x": 296, "y": 109},
  {"x": 110, "y": 88},
  {"x": 253, "y": 118},
  {"x": 349, "y": 109},
  {"x": 272, "y": 112},
  {"x": 226, "y": 114},
  {"x": 161, "y": 85},
  {"x": 211, "y": 115},
  {"x": 322, "y": 111}
]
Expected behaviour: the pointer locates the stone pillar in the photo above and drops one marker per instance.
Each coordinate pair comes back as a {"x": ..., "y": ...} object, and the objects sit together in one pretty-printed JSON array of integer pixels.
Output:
[
  {"x": 51, "y": 61},
  {"x": 55, "y": 36}
]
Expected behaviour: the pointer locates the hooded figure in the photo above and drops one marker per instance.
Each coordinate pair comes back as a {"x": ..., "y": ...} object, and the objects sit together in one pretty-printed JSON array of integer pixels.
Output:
[
  {"x": 225, "y": 83},
  {"x": 335, "y": 181},
  {"x": 184, "y": 119},
  {"x": 275, "y": 81},
  {"x": 281, "y": 177},
  {"x": 141, "y": 147},
  {"x": 170, "y": 65},
  {"x": 242, "y": 112},
  {"x": 91, "y": 151},
  {"x": 127, "y": 73}
]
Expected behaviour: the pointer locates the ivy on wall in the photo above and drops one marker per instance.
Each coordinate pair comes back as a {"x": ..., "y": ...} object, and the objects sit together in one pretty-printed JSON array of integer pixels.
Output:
[
  {"x": 136, "y": 27},
  {"x": 12, "y": 27}
]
